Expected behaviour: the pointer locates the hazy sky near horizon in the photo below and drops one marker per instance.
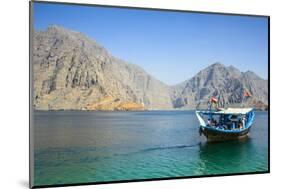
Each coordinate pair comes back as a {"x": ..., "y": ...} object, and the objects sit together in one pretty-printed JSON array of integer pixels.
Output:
[{"x": 171, "y": 46}]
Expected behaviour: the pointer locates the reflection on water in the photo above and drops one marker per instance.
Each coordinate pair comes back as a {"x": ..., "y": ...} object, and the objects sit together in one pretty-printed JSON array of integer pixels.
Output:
[
  {"x": 230, "y": 157},
  {"x": 76, "y": 147}
]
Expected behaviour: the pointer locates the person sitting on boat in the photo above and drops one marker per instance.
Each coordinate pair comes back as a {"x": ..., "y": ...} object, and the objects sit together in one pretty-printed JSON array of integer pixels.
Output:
[
  {"x": 228, "y": 123},
  {"x": 213, "y": 122},
  {"x": 221, "y": 127},
  {"x": 209, "y": 122},
  {"x": 240, "y": 124}
]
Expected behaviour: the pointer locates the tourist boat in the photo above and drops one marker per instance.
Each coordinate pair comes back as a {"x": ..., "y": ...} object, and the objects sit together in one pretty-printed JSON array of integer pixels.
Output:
[{"x": 225, "y": 123}]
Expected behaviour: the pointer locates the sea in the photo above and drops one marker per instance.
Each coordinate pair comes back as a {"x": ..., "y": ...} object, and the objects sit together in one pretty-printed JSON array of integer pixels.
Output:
[{"x": 87, "y": 147}]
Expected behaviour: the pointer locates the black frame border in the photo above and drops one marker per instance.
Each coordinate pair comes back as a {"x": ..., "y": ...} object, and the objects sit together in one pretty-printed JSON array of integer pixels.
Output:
[{"x": 31, "y": 162}]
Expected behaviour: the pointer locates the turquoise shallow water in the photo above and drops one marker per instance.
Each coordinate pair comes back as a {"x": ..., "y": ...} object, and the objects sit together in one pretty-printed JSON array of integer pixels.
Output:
[{"x": 80, "y": 147}]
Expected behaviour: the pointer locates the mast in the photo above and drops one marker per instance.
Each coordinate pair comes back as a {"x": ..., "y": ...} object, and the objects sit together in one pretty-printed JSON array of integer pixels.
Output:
[
  {"x": 210, "y": 109},
  {"x": 242, "y": 106}
]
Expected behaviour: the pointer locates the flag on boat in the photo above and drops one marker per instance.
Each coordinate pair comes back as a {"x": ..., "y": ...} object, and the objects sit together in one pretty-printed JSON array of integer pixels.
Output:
[
  {"x": 246, "y": 93},
  {"x": 214, "y": 100}
]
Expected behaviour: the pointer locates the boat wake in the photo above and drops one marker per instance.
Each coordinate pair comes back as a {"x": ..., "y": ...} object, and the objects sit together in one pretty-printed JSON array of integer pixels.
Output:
[
  {"x": 88, "y": 155},
  {"x": 169, "y": 147}
]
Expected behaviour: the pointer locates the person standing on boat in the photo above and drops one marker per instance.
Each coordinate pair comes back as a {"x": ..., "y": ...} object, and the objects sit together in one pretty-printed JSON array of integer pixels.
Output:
[{"x": 243, "y": 121}]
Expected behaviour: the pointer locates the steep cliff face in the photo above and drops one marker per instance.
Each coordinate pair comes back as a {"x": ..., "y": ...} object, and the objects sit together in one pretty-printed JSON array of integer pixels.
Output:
[
  {"x": 225, "y": 83},
  {"x": 71, "y": 71}
]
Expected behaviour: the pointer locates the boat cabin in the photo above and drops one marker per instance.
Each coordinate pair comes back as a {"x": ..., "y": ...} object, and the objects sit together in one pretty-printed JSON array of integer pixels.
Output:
[{"x": 226, "y": 119}]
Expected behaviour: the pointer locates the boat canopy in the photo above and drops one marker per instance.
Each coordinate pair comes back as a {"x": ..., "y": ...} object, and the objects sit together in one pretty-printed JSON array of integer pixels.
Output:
[{"x": 237, "y": 111}]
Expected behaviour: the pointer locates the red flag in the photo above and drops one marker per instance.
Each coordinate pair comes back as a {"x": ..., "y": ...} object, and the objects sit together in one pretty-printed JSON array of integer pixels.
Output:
[
  {"x": 246, "y": 93},
  {"x": 214, "y": 100}
]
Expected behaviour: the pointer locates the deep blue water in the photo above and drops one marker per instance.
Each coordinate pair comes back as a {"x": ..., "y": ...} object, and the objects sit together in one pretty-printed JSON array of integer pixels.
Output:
[{"x": 79, "y": 147}]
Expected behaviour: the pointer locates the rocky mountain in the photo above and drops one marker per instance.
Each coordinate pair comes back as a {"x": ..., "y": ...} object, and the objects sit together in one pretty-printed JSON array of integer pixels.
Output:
[
  {"x": 227, "y": 84},
  {"x": 72, "y": 71}
]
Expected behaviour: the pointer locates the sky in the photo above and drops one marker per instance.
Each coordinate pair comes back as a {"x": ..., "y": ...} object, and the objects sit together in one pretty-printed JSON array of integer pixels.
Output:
[{"x": 171, "y": 46}]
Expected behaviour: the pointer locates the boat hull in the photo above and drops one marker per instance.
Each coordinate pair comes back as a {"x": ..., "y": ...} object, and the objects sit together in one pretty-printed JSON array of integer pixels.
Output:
[{"x": 216, "y": 136}]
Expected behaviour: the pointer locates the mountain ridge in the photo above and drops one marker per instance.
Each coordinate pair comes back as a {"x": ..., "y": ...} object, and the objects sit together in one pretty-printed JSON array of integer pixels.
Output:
[
  {"x": 226, "y": 83},
  {"x": 72, "y": 71}
]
